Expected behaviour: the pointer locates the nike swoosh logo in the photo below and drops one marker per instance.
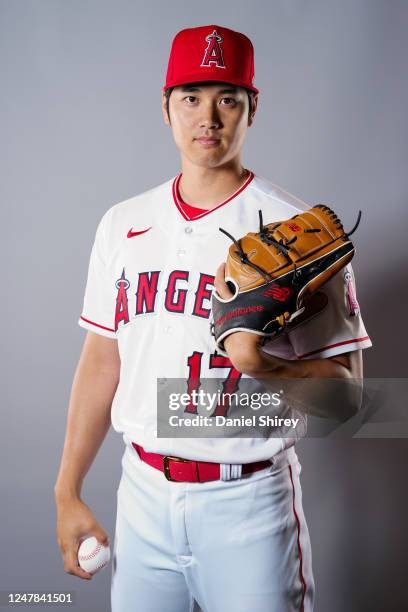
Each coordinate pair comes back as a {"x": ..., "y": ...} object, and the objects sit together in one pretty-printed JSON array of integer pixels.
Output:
[{"x": 131, "y": 234}]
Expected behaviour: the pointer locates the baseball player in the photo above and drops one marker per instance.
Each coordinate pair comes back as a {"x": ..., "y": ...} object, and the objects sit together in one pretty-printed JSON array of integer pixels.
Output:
[{"x": 211, "y": 522}]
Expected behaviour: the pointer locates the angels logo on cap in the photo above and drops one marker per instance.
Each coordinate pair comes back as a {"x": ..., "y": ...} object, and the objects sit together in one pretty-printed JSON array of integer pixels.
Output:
[
  {"x": 213, "y": 52},
  {"x": 197, "y": 54}
]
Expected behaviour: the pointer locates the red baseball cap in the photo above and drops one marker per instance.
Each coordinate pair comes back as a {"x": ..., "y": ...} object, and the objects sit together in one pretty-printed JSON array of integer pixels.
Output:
[{"x": 211, "y": 53}]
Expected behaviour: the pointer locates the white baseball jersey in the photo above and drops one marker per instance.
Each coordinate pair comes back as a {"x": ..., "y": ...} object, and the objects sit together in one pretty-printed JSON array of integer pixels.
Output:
[{"x": 149, "y": 285}]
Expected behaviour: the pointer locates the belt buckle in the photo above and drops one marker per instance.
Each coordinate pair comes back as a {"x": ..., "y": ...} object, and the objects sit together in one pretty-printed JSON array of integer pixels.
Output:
[{"x": 166, "y": 466}]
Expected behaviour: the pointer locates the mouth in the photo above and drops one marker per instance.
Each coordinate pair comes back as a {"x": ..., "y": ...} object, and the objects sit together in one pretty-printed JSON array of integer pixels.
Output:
[{"x": 208, "y": 142}]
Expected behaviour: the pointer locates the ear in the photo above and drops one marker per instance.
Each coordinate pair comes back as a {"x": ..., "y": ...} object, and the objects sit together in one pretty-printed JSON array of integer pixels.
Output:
[
  {"x": 164, "y": 109},
  {"x": 254, "y": 107}
]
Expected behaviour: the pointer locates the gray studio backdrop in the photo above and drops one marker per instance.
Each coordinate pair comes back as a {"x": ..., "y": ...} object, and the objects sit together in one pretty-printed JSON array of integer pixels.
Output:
[{"x": 81, "y": 129}]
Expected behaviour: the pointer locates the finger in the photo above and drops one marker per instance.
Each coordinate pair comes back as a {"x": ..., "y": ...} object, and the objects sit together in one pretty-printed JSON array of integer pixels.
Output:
[
  {"x": 101, "y": 535},
  {"x": 220, "y": 285},
  {"x": 71, "y": 565}
]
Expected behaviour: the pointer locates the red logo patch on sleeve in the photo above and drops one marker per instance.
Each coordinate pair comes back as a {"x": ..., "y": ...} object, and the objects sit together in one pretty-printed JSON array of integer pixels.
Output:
[{"x": 353, "y": 305}]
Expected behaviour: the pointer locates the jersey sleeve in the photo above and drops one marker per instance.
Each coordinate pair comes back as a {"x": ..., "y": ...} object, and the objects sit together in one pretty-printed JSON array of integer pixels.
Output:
[
  {"x": 98, "y": 312},
  {"x": 338, "y": 328}
]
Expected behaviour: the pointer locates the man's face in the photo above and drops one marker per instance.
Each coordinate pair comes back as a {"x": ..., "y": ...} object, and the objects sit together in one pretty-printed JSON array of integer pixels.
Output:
[{"x": 209, "y": 121}]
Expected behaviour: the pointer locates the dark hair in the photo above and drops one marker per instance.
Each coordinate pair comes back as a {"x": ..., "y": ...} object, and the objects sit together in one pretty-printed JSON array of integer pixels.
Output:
[{"x": 251, "y": 95}]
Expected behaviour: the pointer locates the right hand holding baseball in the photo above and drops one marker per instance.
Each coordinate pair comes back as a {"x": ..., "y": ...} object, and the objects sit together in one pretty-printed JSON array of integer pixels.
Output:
[{"x": 75, "y": 521}]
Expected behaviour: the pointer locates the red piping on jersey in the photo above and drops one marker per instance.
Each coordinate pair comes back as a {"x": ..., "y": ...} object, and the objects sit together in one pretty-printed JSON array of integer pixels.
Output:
[
  {"x": 329, "y": 346},
  {"x": 96, "y": 324},
  {"x": 301, "y": 576},
  {"x": 178, "y": 200}
]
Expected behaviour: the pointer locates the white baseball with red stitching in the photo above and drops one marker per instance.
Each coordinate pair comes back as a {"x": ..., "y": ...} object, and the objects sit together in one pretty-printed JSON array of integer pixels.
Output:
[{"x": 92, "y": 555}]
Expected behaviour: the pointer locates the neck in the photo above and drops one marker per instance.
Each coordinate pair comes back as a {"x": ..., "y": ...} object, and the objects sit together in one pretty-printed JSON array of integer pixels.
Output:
[{"x": 207, "y": 187}]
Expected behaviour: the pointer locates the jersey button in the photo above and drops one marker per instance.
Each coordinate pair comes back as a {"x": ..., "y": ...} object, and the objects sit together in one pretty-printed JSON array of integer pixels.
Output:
[
  {"x": 168, "y": 329},
  {"x": 181, "y": 253},
  {"x": 188, "y": 229}
]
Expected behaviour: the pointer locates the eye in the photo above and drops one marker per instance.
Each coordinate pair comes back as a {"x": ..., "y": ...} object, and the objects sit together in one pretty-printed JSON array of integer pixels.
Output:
[
  {"x": 191, "y": 99},
  {"x": 230, "y": 101}
]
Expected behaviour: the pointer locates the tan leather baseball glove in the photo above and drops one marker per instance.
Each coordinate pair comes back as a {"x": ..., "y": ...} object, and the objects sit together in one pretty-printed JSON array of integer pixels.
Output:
[{"x": 275, "y": 273}]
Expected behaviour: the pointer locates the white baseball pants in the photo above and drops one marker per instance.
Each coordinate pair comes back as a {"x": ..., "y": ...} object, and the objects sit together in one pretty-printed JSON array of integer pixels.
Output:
[{"x": 221, "y": 546}]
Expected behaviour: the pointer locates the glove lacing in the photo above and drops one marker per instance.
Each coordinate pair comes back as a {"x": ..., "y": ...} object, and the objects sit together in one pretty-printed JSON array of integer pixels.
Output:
[
  {"x": 282, "y": 245},
  {"x": 243, "y": 256}
]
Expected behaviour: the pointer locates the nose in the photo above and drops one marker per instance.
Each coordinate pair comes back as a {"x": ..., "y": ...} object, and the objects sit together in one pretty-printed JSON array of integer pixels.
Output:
[{"x": 210, "y": 118}]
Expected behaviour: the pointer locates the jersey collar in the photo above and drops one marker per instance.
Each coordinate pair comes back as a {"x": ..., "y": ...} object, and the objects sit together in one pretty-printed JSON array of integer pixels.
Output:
[{"x": 190, "y": 212}]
